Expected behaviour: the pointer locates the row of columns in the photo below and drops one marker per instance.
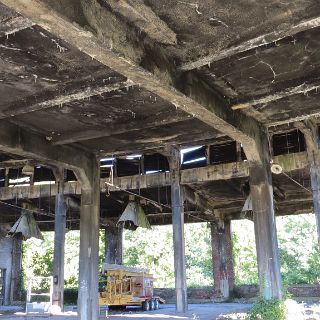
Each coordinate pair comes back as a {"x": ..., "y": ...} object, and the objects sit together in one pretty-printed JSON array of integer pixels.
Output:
[
  {"x": 264, "y": 226},
  {"x": 265, "y": 232}
]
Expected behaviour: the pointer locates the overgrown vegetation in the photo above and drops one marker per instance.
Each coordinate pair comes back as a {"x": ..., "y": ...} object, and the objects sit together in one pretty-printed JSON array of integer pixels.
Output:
[
  {"x": 263, "y": 309},
  {"x": 300, "y": 258},
  {"x": 299, "y": 253}
]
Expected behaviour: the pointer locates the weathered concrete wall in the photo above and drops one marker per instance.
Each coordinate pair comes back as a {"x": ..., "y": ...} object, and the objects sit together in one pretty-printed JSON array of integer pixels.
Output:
[
  {"x": 196, "y": 295},
  {"x": 6, "y": 246}
]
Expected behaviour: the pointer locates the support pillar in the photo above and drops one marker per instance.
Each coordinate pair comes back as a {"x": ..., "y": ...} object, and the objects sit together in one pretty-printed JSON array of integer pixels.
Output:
[
  {"x": 113, "y": 245},
  {"x": 59, "y": 241},
  {"x": 222, "y": 260},
  {"x": 16, "y": 274},
  {"x": 88, "y": 305},
  {"x": 178, "y": 232},
  {"x": 311, "y": 135},
  {"x": 265, "y": 224},
  {"x": 315, "y": 185}
]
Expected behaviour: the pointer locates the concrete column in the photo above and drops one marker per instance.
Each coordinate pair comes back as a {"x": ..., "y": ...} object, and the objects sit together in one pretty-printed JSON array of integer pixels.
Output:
[
  {"x": 88, "y": 305},
  {"x": 59, "y": 242},
  {"x": 178, "y": 232},
  {"x": 265, "y": 224},
  {"x": 315, "y": 185},
  {"x": 310, "y": 132},
  {"x": 113, "y": 245},
  {"x": 222, "y": 260},
  {"x": 16, "y": 274}
]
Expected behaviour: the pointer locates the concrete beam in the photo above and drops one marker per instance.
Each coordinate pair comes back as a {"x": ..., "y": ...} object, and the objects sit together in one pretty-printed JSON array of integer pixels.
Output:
[
  {"x": 260, "y": 41},
  {"x": 16, "y": 140},
  {"x": 199, "y": 201},
  {"x": 62, "y": 99},
  {"x": 303, "y": 88},
  {"x": 118, "y": 128},
  {"x": 14, "y": 25},
  {"x": 201, "y": 105},
  {"x": 144, "y": 19},
  {"x": 10, "y": 164},
  {"x": 289, "y": 162}
]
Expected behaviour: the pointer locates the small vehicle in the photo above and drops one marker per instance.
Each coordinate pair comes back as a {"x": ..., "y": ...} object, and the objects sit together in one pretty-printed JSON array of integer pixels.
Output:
[{"x": 123, "y": 286}]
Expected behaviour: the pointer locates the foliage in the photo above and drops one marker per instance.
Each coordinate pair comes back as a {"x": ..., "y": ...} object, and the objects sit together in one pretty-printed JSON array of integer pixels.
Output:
[
  {"x": 38, "y": 257},
  {"x": 154, "y": 249},
  {"x": 298, "y": 266},
  {"x": 70, "y": 296},
  {"x": 263, "y": 309},
  {"x": 299, "y": 254},
  {"x": 244, "y": 252}
]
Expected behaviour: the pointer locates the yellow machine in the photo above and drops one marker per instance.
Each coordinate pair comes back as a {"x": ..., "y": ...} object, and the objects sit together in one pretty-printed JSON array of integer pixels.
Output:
[{"x": 127, "y": 286}]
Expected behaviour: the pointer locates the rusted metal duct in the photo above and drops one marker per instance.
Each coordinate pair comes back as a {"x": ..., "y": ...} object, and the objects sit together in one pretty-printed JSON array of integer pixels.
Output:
[
  {"x": 133, "y": 216},
  {"x": 26, "y": 227}
]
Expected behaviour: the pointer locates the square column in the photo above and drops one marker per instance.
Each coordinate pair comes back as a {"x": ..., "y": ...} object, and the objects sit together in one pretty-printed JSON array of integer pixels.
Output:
[
  {"x": 88, "y": 304},
  {"x": 178, "y": 232},
  {"x": 222, "y": 260},
  {"x": 59, "y": 242},
  {"x": 311, "y": 134},
  {"x": 315, "y": 185},
  {"x": 16, "y": 271},
  {"x": 114, "y": 245},
  {"x": 264, "y": 223}
]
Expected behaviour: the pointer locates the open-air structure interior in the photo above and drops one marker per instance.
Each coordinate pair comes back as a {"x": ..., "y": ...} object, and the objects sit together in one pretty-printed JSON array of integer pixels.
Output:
[{"x": 99, "y": 97}]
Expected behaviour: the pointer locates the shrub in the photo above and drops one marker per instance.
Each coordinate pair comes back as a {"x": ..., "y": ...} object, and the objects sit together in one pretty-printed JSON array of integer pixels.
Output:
[
  {"x": 71, "y": 296},
  {"x": 273, "y": 309}
]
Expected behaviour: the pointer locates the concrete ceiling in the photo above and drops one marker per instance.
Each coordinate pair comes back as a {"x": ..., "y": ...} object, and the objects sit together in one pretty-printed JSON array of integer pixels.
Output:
[{"x": 143, "y": 75}]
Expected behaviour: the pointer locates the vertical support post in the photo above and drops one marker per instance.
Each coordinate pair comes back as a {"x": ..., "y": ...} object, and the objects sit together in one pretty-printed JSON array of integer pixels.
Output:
[
  {"x": 113, "y": 245},
  {"x": 6, "y": 178},
  {"x": 238, "y": 148},
  {"x": 264, "y": 222},
  {"x": 88, "y": 304},
  {"x": 311, "y": 135},
  {"x": 178, "y": 232},
  {"x": 208, "y": 154},
  {"x": 59, "y": 241},
  {"x": 315, "y": 185},
  {"x": 222, "y": 260},
  {"x": 16, "y": 280}
]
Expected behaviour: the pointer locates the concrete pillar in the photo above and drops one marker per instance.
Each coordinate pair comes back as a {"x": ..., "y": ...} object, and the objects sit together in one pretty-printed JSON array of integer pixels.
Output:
[
  {"x": 88, "y": 305},
  {"x": 222, "y": 260},
  {"x": 265, "y": 224},
  {"x": 59, "y": 242},
  {"x": 113, "y": 245},
  {"x": 178, "y": 232},
  {"x": 16, "y": 271},
  {"x": 315, "y": 185},
  {"x": 310, "y": 132}
]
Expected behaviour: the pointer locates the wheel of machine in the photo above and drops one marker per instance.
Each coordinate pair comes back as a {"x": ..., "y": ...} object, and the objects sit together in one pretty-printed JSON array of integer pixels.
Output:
[
  {"x": 151, "y": 304},
  {"x": 156, "y": 304},
  {"x": 145, "y": 306}
]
